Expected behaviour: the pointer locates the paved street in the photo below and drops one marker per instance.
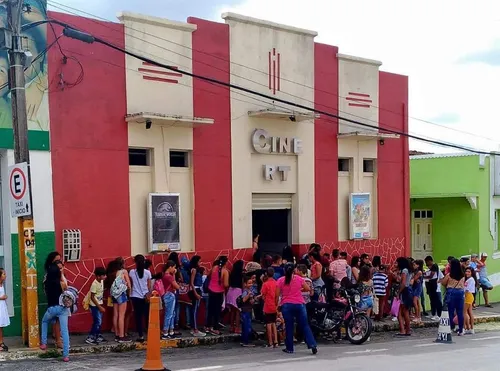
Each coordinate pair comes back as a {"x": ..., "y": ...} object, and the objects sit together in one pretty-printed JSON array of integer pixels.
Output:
[{"x": 416, "y": 353}]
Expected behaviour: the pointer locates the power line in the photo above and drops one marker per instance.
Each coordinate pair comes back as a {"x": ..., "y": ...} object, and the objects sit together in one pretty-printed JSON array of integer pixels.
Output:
[
  {"x": 88, "y": 38},
  {"x": 321, "y": 112},
  {"x": 209, "y": 65},
  {"x": 264, "y": 105},
  {"x": 64, "y": 8}
]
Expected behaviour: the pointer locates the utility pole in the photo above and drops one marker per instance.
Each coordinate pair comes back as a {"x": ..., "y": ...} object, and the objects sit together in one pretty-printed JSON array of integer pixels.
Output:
[{"x": 26, "y": 228}]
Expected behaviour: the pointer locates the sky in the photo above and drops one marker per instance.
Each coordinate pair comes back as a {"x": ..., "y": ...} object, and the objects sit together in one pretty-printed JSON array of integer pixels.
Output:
[{"x": 450, "y": 49}]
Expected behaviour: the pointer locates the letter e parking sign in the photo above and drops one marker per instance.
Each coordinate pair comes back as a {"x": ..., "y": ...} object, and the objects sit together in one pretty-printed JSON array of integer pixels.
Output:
[{"x": 20, "y": 202}]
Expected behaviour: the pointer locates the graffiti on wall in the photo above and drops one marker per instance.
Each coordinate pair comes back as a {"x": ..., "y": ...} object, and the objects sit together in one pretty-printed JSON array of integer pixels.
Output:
[{"x": 35, "y": 74}]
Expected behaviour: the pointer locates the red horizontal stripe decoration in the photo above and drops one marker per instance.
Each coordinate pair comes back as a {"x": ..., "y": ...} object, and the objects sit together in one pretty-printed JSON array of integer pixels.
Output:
[
  {"x": 359, "y": 100},
  {"x": 175, "y": 74},
  {"x": 159, "y": 79},
  {"x": 360, "y": 95},
  {"x": 359, "y": 105}
]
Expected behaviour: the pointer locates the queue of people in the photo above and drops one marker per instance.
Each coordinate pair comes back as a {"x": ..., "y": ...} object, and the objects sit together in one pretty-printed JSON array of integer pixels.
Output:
[{"x": 273, "y": 291}]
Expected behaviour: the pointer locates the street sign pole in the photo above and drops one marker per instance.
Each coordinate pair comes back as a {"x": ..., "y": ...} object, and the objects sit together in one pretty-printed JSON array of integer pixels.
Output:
[{"x": 26, "y": 231}]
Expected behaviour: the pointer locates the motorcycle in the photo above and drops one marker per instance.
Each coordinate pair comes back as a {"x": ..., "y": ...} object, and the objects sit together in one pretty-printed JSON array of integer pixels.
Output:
[{"x": 342, "y": 310}]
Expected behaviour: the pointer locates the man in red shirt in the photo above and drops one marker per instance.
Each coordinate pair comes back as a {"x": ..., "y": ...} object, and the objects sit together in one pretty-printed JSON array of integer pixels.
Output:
[{"x": 269, "y": 293}]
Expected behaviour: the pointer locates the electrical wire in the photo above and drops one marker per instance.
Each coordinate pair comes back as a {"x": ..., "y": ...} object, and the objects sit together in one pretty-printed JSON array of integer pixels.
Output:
[
  {"x": 283, "y": 101},
  {"x": 263, "y": 104},
  {"x": 252, "y": 92},
  {"x": 41, "y": 54},
  {"x": 62, "y": 83},
  {"x": 64, "y": 8},
  {"x": 274, "y": 105}
]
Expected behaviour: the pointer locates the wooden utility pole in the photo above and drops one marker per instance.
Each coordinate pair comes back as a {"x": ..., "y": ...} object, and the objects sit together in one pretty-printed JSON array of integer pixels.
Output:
[{"x": 26, "y": 228}]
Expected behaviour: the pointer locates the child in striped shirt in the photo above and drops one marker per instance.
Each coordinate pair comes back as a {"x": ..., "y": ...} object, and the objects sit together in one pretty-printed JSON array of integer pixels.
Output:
[{"x": 380, "y": 283}]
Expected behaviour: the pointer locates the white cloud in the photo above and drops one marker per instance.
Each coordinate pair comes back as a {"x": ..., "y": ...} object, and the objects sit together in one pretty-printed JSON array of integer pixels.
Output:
[{"x": 422, "y": 39}]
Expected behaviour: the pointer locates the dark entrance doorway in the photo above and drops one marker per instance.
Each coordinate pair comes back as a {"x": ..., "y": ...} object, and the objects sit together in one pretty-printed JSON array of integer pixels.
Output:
[{"x": 274, "y": 229}]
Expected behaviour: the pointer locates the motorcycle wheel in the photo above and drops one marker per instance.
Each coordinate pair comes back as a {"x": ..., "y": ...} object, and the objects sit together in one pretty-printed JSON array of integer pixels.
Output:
[{"x": 359, "y": 329}]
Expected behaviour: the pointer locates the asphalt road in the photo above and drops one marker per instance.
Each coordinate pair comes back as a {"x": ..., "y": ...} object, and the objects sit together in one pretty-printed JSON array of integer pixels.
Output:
[{"x": 416, "y": 353}]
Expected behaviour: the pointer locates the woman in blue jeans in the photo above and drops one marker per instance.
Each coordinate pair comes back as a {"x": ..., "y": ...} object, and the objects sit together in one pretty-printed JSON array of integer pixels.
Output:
[
  {"x": 294, "y": 309},
  {"x": 455, "y": 294},
  {"x": 171, "y": 286},
  {"x": 53, "y": 289}
]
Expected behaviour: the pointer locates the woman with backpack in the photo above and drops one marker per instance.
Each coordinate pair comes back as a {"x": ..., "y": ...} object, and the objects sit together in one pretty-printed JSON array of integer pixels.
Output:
[
  {"x": 119, "y": 295},
  {"x": 218, "y": 282},
  {"x": 54, "y": 287}
]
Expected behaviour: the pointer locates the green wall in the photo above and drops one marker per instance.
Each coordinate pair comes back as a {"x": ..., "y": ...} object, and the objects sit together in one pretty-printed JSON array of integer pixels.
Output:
[
  {"x": 454, "y": 226},
  {"x": 436, "y": 184},
  {"x": 45, "y": 243},
  {"x": 433, "y": 177}
]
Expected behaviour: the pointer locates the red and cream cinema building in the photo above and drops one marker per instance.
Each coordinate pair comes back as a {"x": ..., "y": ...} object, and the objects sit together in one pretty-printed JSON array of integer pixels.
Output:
[{"x": 237, "y": 164}]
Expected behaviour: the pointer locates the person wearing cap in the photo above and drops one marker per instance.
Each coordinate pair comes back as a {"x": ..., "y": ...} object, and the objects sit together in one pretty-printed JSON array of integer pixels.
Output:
[{"x": 484, "y": 282}]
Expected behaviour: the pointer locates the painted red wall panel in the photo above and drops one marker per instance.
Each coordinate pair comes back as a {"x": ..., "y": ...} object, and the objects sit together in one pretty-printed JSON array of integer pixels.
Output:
[
  {"x": 89, "y": 140},
  {"x": 393, "y": 160},
  {"x": 212, "y": 144},
  {"x": 325, "y": 143}
]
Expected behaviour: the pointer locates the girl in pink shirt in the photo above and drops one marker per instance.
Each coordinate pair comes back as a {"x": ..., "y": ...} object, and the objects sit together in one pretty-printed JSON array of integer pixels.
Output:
[{"x": 293, "y": 308}]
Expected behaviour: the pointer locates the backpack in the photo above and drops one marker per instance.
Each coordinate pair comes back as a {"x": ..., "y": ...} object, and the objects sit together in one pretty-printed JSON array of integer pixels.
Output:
[
  {"x": 158, "y": 287},
  {"x": 118, "y": 287},
  {"x": 69, "y": 299},
  {"x": 86, "y": 301}
]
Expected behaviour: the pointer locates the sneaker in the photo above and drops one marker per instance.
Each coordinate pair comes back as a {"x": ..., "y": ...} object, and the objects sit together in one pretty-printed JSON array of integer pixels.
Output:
[
  {"x": 165, "y": 337},
  {"x": 43, "y": 347},
  {"x": 140, "y": 340},
  {"x": 124, "y": 339},
  {"x": 100, "y": 339},
  {"x": 198, "y": 334},
  {"x": 4, "y": 347},
  {"x": 117, "y": 338},
  {"x": 90, "y": 340},
  {"x": 66, "y": 359}
]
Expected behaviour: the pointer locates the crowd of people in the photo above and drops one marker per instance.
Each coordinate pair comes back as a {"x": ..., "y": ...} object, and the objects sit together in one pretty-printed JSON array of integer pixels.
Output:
[{"x": 273, "y": 290}]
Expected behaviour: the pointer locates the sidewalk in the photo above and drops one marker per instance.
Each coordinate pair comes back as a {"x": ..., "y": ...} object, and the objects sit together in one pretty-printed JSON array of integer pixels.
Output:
[{"x": 78, "y": 345}]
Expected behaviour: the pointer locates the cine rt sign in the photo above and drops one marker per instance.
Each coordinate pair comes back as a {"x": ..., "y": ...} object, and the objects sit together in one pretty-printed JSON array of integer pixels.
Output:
[{"x": 20, "y": 201}]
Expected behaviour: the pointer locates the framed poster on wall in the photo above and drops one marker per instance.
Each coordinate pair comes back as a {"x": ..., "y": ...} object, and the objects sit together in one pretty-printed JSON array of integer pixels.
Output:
[
  {"x": 359, "y": 216},
  {"x": 164, "y": 222}
]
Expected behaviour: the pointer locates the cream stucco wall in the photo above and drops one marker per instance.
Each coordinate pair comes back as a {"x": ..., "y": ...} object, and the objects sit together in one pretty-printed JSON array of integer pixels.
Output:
[
  {"x": 358, "y": 79},
  {"x": 172, "y": 46},
  {"x": 251, "y": 40},
  {"x": 160, "y": 178},
  {"x": 356, "y": 181},
  {"x": 149, "y": 35}
]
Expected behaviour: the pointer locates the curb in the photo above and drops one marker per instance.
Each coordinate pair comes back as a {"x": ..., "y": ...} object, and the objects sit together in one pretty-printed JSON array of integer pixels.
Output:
[
  {"x": 20, "y": 354},
  {"x": 394, "y": 326}
]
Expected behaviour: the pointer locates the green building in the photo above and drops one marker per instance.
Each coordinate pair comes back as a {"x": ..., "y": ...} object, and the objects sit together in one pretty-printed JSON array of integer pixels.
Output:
[{"x": 455, "y": 205}]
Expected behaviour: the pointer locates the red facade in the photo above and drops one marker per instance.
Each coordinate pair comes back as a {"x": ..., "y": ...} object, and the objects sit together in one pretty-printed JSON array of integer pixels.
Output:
[{"x": 89, "y": 142}]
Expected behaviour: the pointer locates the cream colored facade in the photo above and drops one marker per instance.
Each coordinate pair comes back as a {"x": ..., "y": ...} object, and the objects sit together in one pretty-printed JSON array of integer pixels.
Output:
[
  {"x": 358, "y": 100},
  {"x": 251, "y": 42},
  {"x": 146, "y": 95},
  {"x": 269, "y": 58}
]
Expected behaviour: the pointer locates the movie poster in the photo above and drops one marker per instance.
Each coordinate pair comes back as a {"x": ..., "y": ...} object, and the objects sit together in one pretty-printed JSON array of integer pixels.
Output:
[
  {"x": 360, "y": 215},
  {"x": 164, "y": 221}
]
